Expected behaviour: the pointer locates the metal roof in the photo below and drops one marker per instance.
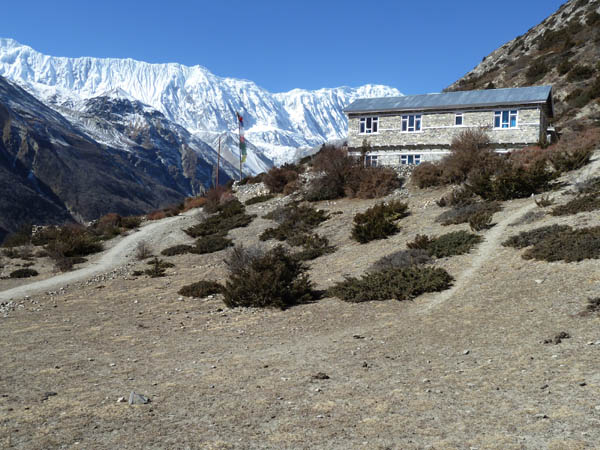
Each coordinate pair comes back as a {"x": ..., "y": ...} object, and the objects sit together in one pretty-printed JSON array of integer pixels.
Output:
[{"x": 455, "y": 100}]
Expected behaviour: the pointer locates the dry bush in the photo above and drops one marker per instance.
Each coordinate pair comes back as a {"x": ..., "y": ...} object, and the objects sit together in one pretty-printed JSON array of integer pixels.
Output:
[
  {"x": 313, "y": 246},
  {"x": 277, "y": 178},
  {"x": 378, "y": 222},
  {"x": 21, "y": 237},
  {"x": 193, "y": 202},
  {"x": 215, "y": 197},
  {"x": 450, "y": 244},
  {"x": 465, "y": 213},
  {"x": 210, "y": 244},
  {"x": 131, "y": 222},
  {"x": 69, "y": 241},
  {"x": 401, "y": 259},
  {"x": 273, "y": 279},
  {"x": 259, "y": 199},
  {"x": 23, "y": 273},
  {"x": 371, "y": 182},
  {"x": 574, "y": 150},
  {"x": 532, "y": 237},
  {"x": 201, "y": 289},
  {"x": 544, "y": 201},
  {"x": 156, "y": 215},
  {"x": 481, "y": 220},
  {"x": 457, "y": 197},
  {"x": 588, "y": 186},
  {"x": 427, "y": 174},
  {"x": 252, "y": 179},
  {"x": 528, "y": 217},
  {"x": 294, "y": 219},
  {"x": 581, "y": 203},
  {"x": 400, "y": 284},
  {"x": 143, "y": 250},
  {"x": 567, "y": 245},
  {"x": 470, "y": 150},
  {"x": 176, "y": 250}
]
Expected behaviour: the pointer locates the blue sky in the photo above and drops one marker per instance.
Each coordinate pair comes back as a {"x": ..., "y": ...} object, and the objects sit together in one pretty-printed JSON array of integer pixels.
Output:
[{"x": 416, "y": 46}]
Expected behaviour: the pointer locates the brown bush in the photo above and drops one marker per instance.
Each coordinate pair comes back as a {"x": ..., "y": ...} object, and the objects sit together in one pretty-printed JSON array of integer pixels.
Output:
[
  {"x": 193, "y": 202},
  {"x": 467, "y": 213},
  {"x": 201, "y": 289},
  {"x": 581, "y": 203},
  {"x": 378, "y": 222},
  {"x": 470, "y": 150},
  {"x": 156, "y": 215},
  {"x": 215, "y": 197},
  {"x": 371, "y": 182},
  {"x": 428, "y": 174},
  {"x": 457, "y": 197},
  {"x": 277, "y": 178}
]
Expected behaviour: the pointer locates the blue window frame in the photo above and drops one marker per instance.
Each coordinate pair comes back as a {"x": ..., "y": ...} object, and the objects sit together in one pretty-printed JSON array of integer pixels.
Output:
[
  {"x": 505, "y": 119},
  {"x": 411, "y": 123},
  {"x": 410, "y": 159},
  {"x": 369, "y": 125}
]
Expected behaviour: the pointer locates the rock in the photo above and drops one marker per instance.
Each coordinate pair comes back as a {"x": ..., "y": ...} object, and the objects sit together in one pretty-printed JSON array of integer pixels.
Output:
[
  {"x": 425, "y": 380},
  {"x": 583, "y": 383},
  {"x": 357, "y": 336},
  {"x": 112, "y": 364},
  {"x": 47, "y": 395},
  {"x": 138, "y": 399},
  {"x": 121, "y": 400},
  {"x": 560, "y": 336},
  {"x": 466, "y": 352},
  {"x": 321, "y": 376}
]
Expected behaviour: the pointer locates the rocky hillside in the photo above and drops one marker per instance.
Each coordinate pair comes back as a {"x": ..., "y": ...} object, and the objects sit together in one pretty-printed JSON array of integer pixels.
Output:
[
  {"x": 50, "y": 171},
  {"x": 563, "y": 50}
]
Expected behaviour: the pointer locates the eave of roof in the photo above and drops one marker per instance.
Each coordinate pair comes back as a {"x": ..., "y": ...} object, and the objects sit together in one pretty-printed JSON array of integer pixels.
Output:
[{"x": 534, "y": 95}]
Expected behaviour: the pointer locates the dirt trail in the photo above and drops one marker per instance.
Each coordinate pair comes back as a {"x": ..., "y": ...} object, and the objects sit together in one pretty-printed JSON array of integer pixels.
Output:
[{"x": 155, "y": 233}]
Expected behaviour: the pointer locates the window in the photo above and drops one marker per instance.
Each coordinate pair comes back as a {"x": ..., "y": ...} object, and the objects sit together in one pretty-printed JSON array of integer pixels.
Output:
[
  {"x": 410, "y": 159},
  {"x": 458, "y": 119},
  {"x": 371, "y": 161},
  {"x": 411, "y": 123},
  {"x": 505, "y": 119},
  {"x": 369, "y": 125}
]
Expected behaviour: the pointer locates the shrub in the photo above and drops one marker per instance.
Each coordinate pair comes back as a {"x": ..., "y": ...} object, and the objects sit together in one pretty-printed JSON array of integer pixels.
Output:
[
  {"x": 564, "y": 67},
  {"x": 69, "y": 241},
  {"x": 371, "y": 182},
  {"x": 131, "y": 222},
  {"x": 468, "y": 212},
  {"x": 377, "y": 222},
  {"x": 158, "y": 268},
  {"x": 156, "y": 215},
  {"x": 294, "y": 219},
  {"x": 214, "y": 198},
  {"x": 588, "y": 186},
  {"x": 401, "y": 259},
  {"x": 324, "y": 188},
  {"x": 481, "y": 220},
  {"x": 527, "y": 218},
  {"x": 427, "y": 174},
  {"x": 593, "y": 306},
  {"x": 450, "y": 244},
  {"x": 210, "y": 244},
  {"x": 21, "y": 237},
  {"x": 544, "y": 201},
  {"x": 564, "y": 160},
  {"x": 536, "y": 70},
  {"x": 176, "y": 250},
  {"x": 569, "y": 245},
  {"x": 273, "y": 279},
  {"x": 400, "y": 284},
  {"x": 313, "y": 246},
  {"x": 277, "y": 178},
  {"x": 580, "y": 73},
  {"x": 219, "y": 225},
  {"x": 201, "y": 289},
  {"x": 259, "y": 199},
  {"x": 193, "y": 202},
  {"x": 457, "y": 197},
  {"x": 143, "y": 250},
  {"x": 65, "y": 264},
  {"x": 581, "y": 203},
  {"x": 252, "y": 179},
  {"x": 532, "y": 237},
  {"x": 23, "y": 273}
]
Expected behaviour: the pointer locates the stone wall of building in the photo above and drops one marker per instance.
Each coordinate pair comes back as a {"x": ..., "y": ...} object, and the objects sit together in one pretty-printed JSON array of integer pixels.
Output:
[{"x": 438, "y": 130}]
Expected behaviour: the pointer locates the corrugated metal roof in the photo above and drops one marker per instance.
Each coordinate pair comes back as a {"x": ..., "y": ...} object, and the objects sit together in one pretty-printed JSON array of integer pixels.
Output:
[{"x": 452, "y": 100}]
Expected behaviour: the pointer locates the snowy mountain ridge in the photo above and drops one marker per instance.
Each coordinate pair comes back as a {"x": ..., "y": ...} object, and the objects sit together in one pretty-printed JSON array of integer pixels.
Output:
[{"x": 277, "y": 124}]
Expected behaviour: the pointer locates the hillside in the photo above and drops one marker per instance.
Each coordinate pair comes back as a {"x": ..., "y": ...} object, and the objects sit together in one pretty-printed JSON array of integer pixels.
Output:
[
  {"x": 478, "y": 365},
  {"x": 563, "y": 50}
]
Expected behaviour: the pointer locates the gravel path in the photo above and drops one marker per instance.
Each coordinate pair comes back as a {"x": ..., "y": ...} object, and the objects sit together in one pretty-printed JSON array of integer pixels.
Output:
[{"x": 160, "y": 233}]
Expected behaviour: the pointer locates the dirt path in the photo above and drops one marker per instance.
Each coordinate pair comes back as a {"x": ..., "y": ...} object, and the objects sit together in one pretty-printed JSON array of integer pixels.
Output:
[
  {"x": 166, "y": 231},
  {"x": 485, "y": 251}
]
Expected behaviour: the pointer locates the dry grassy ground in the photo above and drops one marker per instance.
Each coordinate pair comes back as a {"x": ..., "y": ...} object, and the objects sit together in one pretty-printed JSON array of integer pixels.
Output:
[{"x": 463, "y": 369}]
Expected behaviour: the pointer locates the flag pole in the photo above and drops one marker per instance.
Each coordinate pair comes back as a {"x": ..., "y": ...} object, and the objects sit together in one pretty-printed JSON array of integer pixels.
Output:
[
  {"x": 218, "y": 160},
  {"x": 240, "y": 140}
]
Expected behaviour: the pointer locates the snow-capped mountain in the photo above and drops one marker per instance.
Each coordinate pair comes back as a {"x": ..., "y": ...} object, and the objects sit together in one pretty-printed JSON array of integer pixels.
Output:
[{"x": 192, "y": 97}]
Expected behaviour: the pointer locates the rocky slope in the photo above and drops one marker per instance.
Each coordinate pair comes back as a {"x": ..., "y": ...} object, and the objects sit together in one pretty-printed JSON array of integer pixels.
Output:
[
  {"x": 563, "y": 51},
  {"x": 50, "y": 171}
]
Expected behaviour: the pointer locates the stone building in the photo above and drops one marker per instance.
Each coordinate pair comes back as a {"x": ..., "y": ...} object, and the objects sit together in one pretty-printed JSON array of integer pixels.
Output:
[{"x": 411, "y": 129}]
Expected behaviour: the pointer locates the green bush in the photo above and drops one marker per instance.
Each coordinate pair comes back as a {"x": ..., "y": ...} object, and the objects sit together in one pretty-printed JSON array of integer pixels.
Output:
[
  {"x": 273, "y": 279},
  {"x": 313, "y": 246},
  {"x": 201, "y": 289},
  {"x": 569, "y": 245},
  {"x": 536, "y": 70},
  {"x": 23, "y": 273},
  {"x": 580, "y": 73},
  {"x": 567, "y": 160},
  {"x": 176, "y": 250},
  {"x": 581, "y": 203},
  {"x": 210, "y": 244},
  {"x": 588, "y": 186},
  {"x": 294, "y": 219},
  {"x": 468, "y": 212},
  {"x": 378, "y": 222},
  {"x": 450, "y": 244},
  {"x": 259, "y": 199},
  {"x": 401, "y": 259},
  {"x": 219, "y": 225},
  {"x": 158, "y": 268},
  {"x": 532, "y": 237},
  {"x": 19, "y": 238},
  {"x": 68, "y": 241},
  {"x": 400, "y": 284},
  {"x": 481, "y": 220}
]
